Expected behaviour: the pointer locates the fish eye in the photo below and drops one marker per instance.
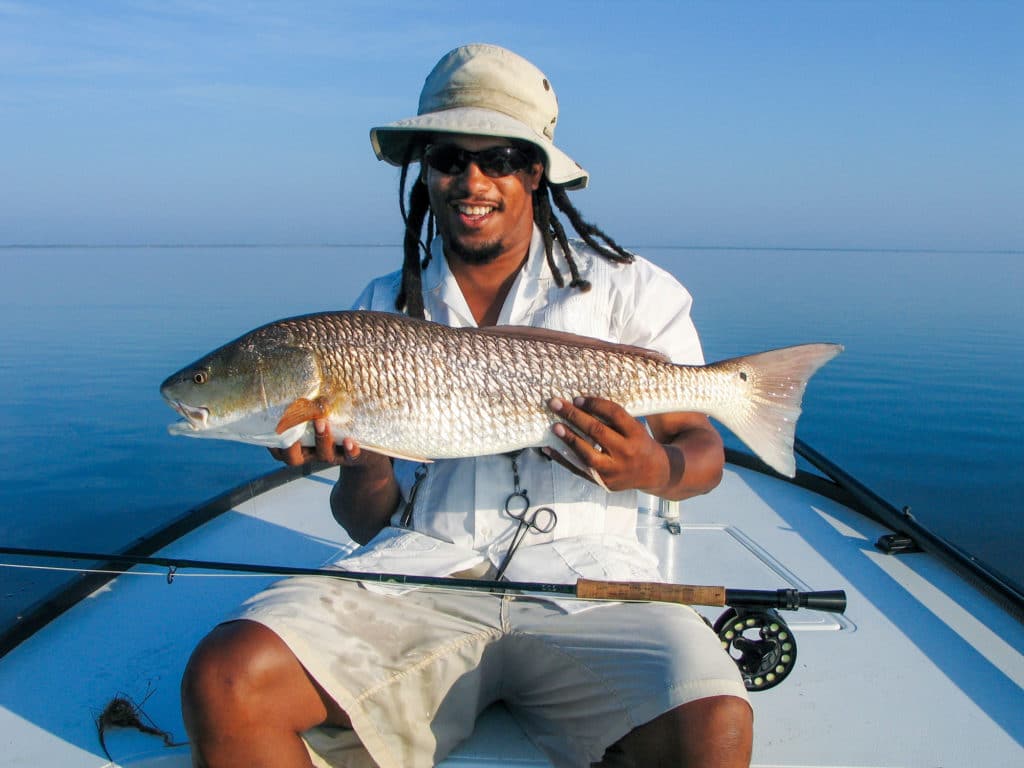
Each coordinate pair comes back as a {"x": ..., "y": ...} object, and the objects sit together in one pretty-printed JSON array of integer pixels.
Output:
[{"x": 200, "y": 377}]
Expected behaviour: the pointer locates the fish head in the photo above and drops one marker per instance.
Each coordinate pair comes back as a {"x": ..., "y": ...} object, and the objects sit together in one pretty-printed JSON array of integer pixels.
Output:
[{"x": 242, "y": 387}]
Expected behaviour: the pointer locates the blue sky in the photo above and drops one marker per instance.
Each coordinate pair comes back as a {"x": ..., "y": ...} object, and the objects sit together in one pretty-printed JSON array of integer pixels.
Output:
[{"x": 826, "y": 124}]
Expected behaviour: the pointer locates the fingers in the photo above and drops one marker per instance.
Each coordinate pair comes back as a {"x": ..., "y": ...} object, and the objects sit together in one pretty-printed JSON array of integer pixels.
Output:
[
  {"x": 293, "y": 455},
  {"x": 324, "y": 448},
  {"x": 351, "y": 450},
  {"x": 611, "y": 445},
  {"x": 611, "y": 413},
  {"x": 586, "y": 450},
  {"x": 590, "y": 439},
  {"x": 605, "y": 424}
]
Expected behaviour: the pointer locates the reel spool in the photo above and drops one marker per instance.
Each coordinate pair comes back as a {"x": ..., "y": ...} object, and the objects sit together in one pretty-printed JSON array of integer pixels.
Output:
[{"x": 761, "y": 644}]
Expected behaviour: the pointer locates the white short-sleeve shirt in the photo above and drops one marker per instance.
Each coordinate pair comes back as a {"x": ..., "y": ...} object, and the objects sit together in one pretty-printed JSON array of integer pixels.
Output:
[{"x": 460, "y": 503}]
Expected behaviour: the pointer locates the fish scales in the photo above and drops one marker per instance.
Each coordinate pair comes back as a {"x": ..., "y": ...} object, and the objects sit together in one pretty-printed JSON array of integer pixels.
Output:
[
  {"x": 418, "y": 389},
  {"x": 451, "y": 392},
  {"x": 442, "y": 392}
]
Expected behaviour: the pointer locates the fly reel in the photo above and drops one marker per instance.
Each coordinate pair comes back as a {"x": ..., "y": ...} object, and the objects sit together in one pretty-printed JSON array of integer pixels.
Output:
[{"x": 761, "y": 644}]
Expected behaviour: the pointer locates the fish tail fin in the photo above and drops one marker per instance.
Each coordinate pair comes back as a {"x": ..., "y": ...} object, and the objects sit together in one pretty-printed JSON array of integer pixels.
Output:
[{"x": 771, "y": 386}]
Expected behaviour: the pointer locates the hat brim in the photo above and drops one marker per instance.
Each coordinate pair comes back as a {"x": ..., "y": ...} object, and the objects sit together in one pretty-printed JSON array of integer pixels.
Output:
[{"x": 399, "y": 142}]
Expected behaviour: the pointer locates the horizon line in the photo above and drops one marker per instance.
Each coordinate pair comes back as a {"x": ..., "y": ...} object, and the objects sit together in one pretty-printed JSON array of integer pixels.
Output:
[{"x": 793, "y": 248}]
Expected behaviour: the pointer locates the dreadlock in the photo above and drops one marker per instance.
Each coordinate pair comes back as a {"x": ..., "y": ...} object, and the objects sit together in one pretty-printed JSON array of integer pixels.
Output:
[{"x": 410, "y": 294}]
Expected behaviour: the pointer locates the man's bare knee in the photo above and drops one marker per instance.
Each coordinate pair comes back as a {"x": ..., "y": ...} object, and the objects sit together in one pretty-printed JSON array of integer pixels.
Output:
[
  {"x": 731, "y": 719},
  {"x": 222, "y": 679},
  {"x": 242, "y": 674},
  {"x": 716, "y": 732}
]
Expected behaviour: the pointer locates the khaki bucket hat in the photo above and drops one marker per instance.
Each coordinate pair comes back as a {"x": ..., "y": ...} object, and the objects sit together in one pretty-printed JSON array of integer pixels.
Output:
[{"x": 483, "y": 90}]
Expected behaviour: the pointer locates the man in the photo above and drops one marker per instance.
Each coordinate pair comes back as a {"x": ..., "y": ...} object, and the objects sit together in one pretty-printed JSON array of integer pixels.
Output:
[{"x": 397, "y": 679}]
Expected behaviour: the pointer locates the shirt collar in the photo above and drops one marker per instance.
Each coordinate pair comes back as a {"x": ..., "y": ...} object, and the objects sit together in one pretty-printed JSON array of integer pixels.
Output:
[{"x": 446, "y": 304}]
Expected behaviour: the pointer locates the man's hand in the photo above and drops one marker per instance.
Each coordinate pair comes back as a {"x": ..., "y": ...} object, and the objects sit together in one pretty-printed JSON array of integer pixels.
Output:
[
  {"x": 366, "y": 495},
  {"x": 613, "y": 443},
  {"x": 681, "y": 455},
  {"x": 325, "y": 449}
]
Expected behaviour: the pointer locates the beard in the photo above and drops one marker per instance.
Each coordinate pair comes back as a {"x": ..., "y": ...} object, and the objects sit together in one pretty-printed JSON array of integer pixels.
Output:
[{"x": 484, "y": 253}]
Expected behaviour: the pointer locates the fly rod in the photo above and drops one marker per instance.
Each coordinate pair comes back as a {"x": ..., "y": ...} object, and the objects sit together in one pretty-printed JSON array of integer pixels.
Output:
[{"x": 584, "y": 589}]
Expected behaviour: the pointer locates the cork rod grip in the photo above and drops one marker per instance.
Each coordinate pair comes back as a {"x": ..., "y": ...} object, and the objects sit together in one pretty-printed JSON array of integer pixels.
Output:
[{"x": 650, "y": 591}]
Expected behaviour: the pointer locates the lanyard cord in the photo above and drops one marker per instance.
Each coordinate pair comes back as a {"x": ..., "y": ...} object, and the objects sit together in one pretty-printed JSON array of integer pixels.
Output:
[
  {"x": 527, "y": 522},
  {"x": 518, "y": 498},
  {"x": 520, "y": 493},
  {"x": 406, "y": 520}
]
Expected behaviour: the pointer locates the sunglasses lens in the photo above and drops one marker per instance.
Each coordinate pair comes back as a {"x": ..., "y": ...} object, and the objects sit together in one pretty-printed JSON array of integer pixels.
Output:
[
  {"x": 446, "y": 158},
  {"x": 501, "y": 161},
  {"x": 494, "y": 162}
]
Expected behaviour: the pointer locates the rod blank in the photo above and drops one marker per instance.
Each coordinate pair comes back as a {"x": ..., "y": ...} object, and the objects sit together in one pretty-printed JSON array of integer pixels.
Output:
[{"x": 584, "y": 589}]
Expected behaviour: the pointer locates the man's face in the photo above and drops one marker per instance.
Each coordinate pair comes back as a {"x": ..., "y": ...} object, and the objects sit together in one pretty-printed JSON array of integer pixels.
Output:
[{"x": 482, "y": 217}]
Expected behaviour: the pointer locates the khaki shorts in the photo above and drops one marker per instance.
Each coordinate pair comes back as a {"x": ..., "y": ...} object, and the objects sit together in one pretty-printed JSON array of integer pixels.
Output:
[{"x": 413, "y": 671}]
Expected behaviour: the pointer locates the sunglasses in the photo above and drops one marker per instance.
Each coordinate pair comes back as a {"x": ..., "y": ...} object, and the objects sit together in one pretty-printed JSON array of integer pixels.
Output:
[{"x": 494, "y": 162}]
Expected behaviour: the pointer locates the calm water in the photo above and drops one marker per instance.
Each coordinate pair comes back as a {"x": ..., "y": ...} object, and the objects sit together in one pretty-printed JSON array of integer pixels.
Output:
[{"x": 923, "y": 406}]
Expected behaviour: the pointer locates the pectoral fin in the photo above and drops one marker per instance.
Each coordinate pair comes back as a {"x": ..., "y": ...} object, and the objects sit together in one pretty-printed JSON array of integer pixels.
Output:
[{"x": 302, "y": 410}]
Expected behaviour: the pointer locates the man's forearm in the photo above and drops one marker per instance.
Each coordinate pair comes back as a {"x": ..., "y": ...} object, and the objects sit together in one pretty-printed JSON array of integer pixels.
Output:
[
  {"x": 695, "y": 465},
  {"x": 365, "y": 496},
  {"x": 694, "y": 451}
]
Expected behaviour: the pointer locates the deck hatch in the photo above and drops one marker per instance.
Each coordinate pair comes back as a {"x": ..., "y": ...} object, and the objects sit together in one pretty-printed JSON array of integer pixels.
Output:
[{"x": 706, "y": 553}]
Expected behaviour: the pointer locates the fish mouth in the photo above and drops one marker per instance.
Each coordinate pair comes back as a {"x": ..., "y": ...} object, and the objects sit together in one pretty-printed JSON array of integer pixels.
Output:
[{"x": 196, "y": 418}]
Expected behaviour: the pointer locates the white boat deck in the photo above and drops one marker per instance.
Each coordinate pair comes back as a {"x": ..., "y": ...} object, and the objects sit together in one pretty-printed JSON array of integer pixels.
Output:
[{"x": 922, "y": 670}]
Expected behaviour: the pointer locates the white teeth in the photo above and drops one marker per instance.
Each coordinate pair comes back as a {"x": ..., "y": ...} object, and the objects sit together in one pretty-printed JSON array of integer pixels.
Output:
[{"x": 475, "y": 210}]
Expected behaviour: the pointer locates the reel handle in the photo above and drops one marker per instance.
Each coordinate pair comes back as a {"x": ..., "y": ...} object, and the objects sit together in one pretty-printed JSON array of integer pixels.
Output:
[{"x": 832, "y": 601}]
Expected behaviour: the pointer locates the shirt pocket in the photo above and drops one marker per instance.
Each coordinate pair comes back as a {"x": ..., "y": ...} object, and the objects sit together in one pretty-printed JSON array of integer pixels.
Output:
[{"x": 572, "y": 314}]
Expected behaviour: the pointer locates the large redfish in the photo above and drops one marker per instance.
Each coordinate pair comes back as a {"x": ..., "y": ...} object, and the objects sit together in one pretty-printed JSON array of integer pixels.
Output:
[{"x": 419, "y": 390}]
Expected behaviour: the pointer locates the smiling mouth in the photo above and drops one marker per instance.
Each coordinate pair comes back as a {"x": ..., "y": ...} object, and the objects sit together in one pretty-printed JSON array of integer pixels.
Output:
[
  {"x": 474, "y": 210},
  {"x": 474, "y": 213},
  {"x": 196, "y": 417}
]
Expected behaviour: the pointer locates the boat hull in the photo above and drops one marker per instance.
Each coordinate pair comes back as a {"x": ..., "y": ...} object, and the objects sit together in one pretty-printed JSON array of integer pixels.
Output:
[{"x": 922, "y": 669}]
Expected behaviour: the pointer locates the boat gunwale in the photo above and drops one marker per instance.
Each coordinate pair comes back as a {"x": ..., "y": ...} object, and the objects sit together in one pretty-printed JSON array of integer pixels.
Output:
[
  {"x": 51, "y": 606},
  {"x": 834, "y": 484}
]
